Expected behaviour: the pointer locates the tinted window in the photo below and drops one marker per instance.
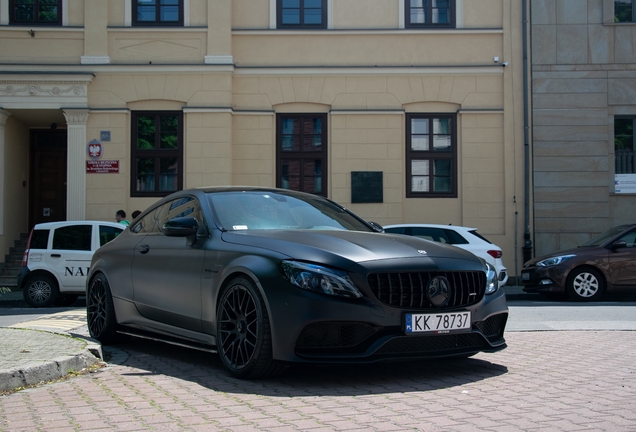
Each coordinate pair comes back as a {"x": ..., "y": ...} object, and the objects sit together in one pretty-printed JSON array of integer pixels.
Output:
[
  {"x": 152, "y": 222},
  {"x": 39, "y": 239},
  {"x": 629, "y": 238},
  {"x": 434, "y": 234},
  {"x": 74, "y": 237},
  {"x": 455, "y": 238},
  {"x": 107, "y": 233}
]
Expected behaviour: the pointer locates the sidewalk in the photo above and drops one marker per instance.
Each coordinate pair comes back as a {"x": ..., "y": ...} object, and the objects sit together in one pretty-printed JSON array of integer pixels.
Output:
[{"x": 29, "y": 356}]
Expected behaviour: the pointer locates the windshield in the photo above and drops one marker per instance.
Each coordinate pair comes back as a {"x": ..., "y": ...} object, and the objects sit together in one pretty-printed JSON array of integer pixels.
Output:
[
  {"x": 267, "y": 210},
  {"x": 607, "y": 235}
]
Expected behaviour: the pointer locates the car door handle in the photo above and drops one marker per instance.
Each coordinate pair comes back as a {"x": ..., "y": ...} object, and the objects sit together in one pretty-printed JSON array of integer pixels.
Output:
[
  {"x": 55, "y": 255},
  {"x": 144, "y": 249}
]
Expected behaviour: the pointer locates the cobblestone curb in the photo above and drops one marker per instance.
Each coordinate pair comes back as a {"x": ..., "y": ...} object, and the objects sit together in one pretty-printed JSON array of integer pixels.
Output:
[{"x": 31, "y": 356}]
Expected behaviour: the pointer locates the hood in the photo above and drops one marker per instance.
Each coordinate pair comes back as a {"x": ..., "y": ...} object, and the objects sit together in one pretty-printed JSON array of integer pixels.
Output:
[{"x": 334, "y": 247}]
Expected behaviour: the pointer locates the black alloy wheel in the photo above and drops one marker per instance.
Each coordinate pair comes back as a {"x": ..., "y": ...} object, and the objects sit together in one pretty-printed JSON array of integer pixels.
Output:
[
  {"x": 243, "y": 332},
  {"x": 100, "y": 312},
  {"x": 41, "y": 291}
]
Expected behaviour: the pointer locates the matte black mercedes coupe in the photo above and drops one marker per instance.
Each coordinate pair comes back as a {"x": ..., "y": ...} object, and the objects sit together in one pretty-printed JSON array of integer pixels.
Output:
[{"x": 268, "y": 276}]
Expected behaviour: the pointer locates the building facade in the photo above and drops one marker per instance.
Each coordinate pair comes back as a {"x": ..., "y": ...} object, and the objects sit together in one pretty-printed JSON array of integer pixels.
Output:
[
  {"x": 584, "y": 106},
  {"x": 402, "y": 110}
]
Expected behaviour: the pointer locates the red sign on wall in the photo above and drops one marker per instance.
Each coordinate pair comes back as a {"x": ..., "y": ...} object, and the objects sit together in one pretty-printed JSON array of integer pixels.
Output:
[{"x": 102, "y": 166}]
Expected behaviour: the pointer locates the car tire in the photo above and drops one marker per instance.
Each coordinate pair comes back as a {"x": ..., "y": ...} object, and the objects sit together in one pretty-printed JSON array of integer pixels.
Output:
[
  {"x": 244, "y": 340},
  {"x": 100, "y": 311},
  {"x": 585, "y": 284},
  {"x": 41, "y": 291},
  {"x": 66, "y": 300}
]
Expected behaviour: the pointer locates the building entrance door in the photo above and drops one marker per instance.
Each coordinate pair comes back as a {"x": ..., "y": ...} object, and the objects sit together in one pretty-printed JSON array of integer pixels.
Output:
[{"x": 47, "y": 201}]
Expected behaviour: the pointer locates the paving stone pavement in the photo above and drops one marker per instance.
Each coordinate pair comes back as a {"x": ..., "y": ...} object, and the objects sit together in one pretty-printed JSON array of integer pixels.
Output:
[{"x": 543, "y": 381}]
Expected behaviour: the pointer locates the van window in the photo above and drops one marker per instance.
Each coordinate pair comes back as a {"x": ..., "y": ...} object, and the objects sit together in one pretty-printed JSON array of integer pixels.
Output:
[
  {"x": 108, "y": 233},
  {"x": 39, "y": 239},
  {"x": 74, "y": 237}
]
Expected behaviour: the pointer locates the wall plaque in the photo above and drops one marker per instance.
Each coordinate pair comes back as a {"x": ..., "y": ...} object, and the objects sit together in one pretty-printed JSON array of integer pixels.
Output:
[
  {"x": 102, "y": 166},
  {"x": 366, "y": 187}
]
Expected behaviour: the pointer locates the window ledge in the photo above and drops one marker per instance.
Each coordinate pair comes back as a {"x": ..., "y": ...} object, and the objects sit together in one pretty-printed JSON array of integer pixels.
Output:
[
  {"x": 40, "y": 27},
  {"x": 157, "y": 28},
  {"x": 332, "y": 32}
]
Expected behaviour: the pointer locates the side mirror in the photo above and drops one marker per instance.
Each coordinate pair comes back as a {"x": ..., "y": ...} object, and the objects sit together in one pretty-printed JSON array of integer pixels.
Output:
[
  {"x": 619, "y": 244},
  {"x": 180, "y": 227}
]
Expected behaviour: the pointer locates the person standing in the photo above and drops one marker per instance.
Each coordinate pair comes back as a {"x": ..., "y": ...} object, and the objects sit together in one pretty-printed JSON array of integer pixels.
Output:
[{"x": 120, "y": 216}]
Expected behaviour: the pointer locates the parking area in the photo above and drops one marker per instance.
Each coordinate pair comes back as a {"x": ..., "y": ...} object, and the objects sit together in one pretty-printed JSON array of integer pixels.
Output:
[{"x": 577, "y": 380}]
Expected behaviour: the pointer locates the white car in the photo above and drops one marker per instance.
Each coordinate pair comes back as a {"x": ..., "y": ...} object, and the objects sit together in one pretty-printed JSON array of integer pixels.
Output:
[
  {"x": 58, "y": 257},
  {"x": 463, "y": 237}
]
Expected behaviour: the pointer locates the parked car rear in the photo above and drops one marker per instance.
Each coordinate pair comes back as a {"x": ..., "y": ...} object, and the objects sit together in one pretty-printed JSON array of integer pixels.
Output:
[
  {"x": 460, "y": 236},
  {"x": 58, "y": 257}
]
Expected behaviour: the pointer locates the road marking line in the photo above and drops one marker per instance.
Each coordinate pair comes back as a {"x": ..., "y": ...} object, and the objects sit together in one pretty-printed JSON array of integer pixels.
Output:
[{"x": 66, "y": 320}]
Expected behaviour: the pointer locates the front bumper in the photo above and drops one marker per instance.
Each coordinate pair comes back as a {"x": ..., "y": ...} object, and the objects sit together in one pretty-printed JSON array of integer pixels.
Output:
[
  {"x": 545, "y": 279},
  {"x": 315, "y": 328}
]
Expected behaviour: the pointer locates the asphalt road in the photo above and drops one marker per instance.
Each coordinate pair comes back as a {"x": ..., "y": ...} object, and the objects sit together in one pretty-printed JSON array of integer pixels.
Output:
[{"x": 527, "y": 313}]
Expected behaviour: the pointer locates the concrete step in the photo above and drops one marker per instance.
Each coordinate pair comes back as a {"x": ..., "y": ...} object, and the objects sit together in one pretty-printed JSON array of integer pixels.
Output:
[{"x": 9, "y": 282}]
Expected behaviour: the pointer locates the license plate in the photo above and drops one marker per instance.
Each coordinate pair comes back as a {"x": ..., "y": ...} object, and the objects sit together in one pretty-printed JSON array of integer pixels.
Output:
[
  {"x": 525, "y": 276},
  {"x": 443, "y": 322}
]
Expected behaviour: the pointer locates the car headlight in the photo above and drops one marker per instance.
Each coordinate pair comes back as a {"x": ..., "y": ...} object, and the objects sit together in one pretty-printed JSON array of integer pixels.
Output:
[
  {"x": 552, "y": 261},
  {"x": 319, "y": 279},
  {"x": 492, "y": 282}
]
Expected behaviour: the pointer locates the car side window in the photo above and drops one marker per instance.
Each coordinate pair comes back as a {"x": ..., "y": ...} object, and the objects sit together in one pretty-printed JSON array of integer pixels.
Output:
[
  {"x": 434, "y": 234},
  {"x": 74, "y": 237},
  {"x": 39, "y": 239},
  {"x": 629, "y": 238},
  {"x": 455, "y": 238},
  {"x": 152, "y": 222},
  {"x": 108, "y": 233}
]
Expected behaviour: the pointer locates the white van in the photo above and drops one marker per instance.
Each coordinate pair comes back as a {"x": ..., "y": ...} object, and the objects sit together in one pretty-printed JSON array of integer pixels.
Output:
[{"x": 58, "y": 257}]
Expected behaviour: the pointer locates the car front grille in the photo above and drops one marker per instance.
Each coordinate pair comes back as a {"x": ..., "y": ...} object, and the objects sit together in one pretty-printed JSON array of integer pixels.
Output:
[{"x": 408, "y": 290}]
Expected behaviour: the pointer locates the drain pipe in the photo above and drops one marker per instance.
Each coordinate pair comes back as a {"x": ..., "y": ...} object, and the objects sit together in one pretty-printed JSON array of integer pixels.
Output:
[{"x": 527, "y": 242}]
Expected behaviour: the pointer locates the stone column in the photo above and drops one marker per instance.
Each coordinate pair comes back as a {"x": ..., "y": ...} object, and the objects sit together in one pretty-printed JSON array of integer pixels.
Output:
[
  {"x": 219, "y": 33},
  {"x": 4, "y": 115},
  {"x": 95, "y": 32},
  {"x": 76, "y": 163}
]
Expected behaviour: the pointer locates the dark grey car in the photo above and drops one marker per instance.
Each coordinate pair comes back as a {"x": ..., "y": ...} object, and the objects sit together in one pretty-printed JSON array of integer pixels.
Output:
[{"x": 269, "y": 276}]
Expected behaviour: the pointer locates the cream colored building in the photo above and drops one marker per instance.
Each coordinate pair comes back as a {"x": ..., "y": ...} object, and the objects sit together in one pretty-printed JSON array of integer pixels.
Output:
[{"x": 217, "y": 92}]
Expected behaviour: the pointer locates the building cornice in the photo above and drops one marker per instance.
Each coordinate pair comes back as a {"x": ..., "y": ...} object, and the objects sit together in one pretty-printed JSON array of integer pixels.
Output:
[{"x": 397, "y": 70}]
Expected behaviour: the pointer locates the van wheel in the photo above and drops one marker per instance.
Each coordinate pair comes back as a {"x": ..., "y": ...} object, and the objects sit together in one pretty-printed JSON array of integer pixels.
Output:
[{"x": 41, "y": 291}]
